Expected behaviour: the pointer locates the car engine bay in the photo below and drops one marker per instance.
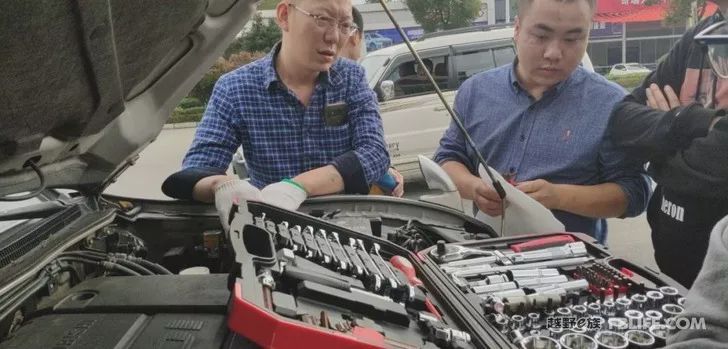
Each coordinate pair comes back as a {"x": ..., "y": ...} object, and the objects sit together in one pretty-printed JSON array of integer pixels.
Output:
[{"x": 347, "y": 273}]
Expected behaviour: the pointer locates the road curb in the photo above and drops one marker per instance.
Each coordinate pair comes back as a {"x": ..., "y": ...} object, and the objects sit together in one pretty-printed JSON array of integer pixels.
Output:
[{"x": 180, "y": 125}]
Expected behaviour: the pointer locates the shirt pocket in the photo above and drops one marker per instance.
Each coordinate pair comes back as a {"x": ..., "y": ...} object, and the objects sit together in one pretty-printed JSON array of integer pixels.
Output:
[{"x": 337, "y": 138}]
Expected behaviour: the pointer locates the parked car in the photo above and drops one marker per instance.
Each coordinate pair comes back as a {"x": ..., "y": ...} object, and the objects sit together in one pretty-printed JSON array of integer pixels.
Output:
[
  {"x": 628, "y": 69},
  {"x": 375, "y": 41},
  {"x": 413, "y": 116}
]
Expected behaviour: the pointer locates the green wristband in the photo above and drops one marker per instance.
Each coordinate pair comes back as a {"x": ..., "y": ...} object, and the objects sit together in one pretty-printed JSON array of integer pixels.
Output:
[{"x": 295, "y": 184}]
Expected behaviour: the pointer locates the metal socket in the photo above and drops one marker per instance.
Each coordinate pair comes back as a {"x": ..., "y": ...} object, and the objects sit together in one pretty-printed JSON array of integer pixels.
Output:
[
  {"x": 671, "y": 293},
  {"x": 517, "y": 322},
  {"x": 639, "y": 301},
  {"x": 653, "y": 316},
  {"x": 539, "y": 342},
  {"x": 660, "y": 332},
  {"x": 563, "y": 312},
  {"x": 609, "y": 309},
  {"x": 579, "y": 310},
  {"x": 610, "y": 340},
  {"x": 671, "y": 310},
  {"x": 577, "y": 341},
  {"x": 617, "y": 324},
  {"x": 639, "y": 339},
  {"x": 623, "y": 304},
  {"x": 594, "y": 308},
  {"x": 655, "y": 299},
  {"x": 533, "y": 321}
]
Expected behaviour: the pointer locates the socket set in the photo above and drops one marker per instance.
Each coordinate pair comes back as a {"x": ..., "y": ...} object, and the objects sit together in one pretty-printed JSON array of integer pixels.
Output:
[
  {"x": 305, "y": 282},
  {"x": 560, "y": 291}
]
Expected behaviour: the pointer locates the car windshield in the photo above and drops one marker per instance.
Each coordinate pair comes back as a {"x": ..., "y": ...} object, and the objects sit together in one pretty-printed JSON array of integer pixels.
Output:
[{"x": 372, "y": 65}]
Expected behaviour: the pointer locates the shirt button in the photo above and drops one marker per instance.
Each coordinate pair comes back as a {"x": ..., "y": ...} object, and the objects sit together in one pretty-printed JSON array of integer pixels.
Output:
[
  {"x": 522, "y": 138},
  {"x": 512, "y": 170}
]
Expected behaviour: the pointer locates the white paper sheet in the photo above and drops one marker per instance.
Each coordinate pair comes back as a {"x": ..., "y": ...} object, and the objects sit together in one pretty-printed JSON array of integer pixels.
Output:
[{"x": 524, "y": 215}]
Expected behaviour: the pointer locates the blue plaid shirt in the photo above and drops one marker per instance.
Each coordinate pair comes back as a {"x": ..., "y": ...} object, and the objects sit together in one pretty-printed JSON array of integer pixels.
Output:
[
  {"x": 562, "y": 138},
  {"x": 280, "y": 136}
]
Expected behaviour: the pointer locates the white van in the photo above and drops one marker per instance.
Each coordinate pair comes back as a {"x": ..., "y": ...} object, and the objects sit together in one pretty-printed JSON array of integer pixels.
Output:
[{"x": 414, "y": 117}]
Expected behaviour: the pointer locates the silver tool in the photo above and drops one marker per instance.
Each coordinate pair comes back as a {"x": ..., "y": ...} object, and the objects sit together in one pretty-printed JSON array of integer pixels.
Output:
[
  {"x": 356, "y": 269},
  {"x": 594, "y": 308},
  {"x": 532, "y": 273},
  {"x": 539, "y": 342},
  {"x": 570, "y": 250},
  {"x": 635, "y": 318},
  {"x": 577, "y": 341},
  {"x": 490, "y": 280},
  {"x": 517, "y": 322},
  {"x": 495, "y": 288},
  {"x": 623, "y": 304},
  {"x": 652, "y": 317},
  {"x": 445, "y": 253},
  {"x": 610, "y": 340},
  {"x": 609, "y": 309},
  {"x": 671, "y": 310},
  {"x": 545, "y": 281},
  {"x": 533, "y": 321},
  {"x": 617, "y": 324},
  {"x": 660, "y": 332},
  {"x": 390, "y": 273},
  {"x": 579, "y": 310},
  {"x": 489, "y": 270},
  {"x": 569, "y": 286},
  {"x": 655, "y": 299},
  {"x": 671, "y": 294},
  {"x": 639, "y": 301},
  {"x": 639, "y": 339}
]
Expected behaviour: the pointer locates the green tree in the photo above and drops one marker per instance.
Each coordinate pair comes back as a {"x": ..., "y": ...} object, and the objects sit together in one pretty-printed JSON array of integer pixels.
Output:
[
  {"x": 203, "y": 89},
  {"x": 680, "y": 10},
  {"x": 434, "y": 15},
  {"x": 261, "y": 37},
  {"x": 268, "y": 4}
]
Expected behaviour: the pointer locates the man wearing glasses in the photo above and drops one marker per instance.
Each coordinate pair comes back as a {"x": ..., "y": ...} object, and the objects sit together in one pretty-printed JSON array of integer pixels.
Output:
[
  {"x": 676, "y": 122},
  {"x": 308, "y": 123}
]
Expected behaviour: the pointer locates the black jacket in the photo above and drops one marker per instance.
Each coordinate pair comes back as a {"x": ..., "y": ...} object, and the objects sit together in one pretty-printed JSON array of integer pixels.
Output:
[{"x": 684, "y": 156}]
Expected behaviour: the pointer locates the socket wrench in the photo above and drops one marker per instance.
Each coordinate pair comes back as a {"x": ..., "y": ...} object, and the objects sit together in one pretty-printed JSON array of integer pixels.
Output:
[{"x": 485, "y": 270}]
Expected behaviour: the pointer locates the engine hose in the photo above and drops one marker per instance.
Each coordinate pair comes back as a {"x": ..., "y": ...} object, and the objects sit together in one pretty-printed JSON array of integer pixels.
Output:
[
  {"x": 119, "y": 267},
  {"x": 133, "y": 266},
  {"x": 104, "y": 264},
  {"x": 82, "y": 254},
  {"x": 22, "y": 295},
  {"x": 115, "y": 258},
  {"x": 154, "y": 266},
  {"x": 146, "y": 263}
]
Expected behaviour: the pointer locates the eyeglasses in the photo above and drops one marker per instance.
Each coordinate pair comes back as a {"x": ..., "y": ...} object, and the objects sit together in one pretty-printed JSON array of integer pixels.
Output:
[
  {"x": 345, "y": 28},
  {"x": 715, "y": 38}
]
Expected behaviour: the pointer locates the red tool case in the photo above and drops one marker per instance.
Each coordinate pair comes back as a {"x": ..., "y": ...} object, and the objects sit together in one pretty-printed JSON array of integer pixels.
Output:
[{"x": 444, "y": 313}]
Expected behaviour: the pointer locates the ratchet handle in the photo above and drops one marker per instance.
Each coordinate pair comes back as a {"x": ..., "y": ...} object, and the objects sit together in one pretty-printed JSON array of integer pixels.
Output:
[{"x": 551, "y": 241}]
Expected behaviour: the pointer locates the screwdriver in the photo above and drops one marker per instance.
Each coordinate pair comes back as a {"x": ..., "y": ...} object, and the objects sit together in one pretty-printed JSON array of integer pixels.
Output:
[{"x": 408, "y": 270}]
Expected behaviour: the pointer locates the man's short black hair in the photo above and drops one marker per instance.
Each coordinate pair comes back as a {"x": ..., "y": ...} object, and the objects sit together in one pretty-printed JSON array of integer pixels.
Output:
[{"x": 357, "y": 19}]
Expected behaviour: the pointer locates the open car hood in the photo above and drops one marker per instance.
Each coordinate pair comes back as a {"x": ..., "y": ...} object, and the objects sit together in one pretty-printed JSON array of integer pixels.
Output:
[{"x": 87, "y": 85}]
